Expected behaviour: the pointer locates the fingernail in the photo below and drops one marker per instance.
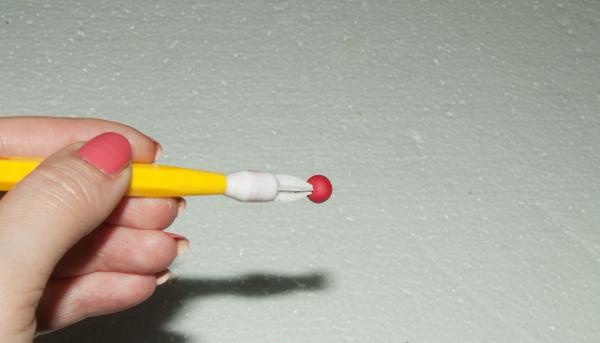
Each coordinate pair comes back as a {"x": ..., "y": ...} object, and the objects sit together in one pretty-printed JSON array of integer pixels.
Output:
[
  {"x": 110, "y": 152},
  {"x": 159, "y": 151},
  {"x": 181, "y": 205},
  {"x": 163, "y": 277},
  {"x": 183, "y": 244}
]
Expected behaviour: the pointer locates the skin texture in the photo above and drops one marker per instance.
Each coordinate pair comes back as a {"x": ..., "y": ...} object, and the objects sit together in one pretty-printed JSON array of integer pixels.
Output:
[{"x": 71, "y": 246}]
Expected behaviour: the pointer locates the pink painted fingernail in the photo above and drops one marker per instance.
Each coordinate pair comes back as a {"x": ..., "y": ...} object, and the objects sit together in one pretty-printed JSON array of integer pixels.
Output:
[
  {"x": 183, "y": 244},
  {"x": 110, "y": 152}
]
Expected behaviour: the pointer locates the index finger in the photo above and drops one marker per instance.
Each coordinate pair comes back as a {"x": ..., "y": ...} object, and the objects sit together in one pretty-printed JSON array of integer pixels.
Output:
[{"x": 42, "y": 136}]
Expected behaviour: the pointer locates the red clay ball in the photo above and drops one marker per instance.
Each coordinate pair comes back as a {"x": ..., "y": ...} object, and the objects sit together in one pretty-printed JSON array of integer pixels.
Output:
[{"x": 322, "y": 188}]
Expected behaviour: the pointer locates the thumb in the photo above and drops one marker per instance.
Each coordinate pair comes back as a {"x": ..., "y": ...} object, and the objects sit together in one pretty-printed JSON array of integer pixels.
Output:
[{"x": 62, "y": 200}]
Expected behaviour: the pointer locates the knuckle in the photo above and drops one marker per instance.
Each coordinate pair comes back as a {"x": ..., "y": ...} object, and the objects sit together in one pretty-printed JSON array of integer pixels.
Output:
[{"x": 69, "y": 188}]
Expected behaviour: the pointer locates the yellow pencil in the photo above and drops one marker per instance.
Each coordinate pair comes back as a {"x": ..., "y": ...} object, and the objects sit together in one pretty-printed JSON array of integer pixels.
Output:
[{"x": 152, "y": 180}]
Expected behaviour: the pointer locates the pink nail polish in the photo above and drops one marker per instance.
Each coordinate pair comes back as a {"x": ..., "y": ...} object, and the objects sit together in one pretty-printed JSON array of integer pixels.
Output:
[
  {"x": 110, "y": 152},
  {"x": 183, "y": 244},
  {"x": 175, "y": 236}
]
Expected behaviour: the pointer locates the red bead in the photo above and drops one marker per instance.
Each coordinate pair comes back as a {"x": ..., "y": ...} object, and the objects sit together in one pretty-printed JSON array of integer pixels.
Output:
[{"x": 322, "y": 188}]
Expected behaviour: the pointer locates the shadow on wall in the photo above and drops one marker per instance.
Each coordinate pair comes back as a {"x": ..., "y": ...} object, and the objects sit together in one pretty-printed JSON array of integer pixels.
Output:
[{"x": 145, "y": 322}]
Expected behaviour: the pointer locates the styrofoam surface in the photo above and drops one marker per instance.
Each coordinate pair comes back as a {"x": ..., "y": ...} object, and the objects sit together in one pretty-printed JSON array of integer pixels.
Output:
[{"x": 462, "y": 138}]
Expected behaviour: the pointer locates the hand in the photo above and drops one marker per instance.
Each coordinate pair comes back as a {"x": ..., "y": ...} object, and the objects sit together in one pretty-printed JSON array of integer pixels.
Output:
[{"x": 71, "y": 246}]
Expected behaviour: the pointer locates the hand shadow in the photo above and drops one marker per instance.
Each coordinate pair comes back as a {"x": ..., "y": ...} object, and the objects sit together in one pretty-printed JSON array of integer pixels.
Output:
[{"x": 145, "y": 322}]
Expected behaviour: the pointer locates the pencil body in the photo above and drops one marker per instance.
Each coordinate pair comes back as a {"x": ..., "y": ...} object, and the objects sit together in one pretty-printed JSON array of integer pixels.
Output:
[
  {"x": 151, "y": 180},
  {"x": 147, "y": 180}
]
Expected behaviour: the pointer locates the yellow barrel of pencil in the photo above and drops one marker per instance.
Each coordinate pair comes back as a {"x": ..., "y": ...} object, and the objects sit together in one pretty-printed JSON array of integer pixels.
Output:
[{"x": 147, "y": 180}]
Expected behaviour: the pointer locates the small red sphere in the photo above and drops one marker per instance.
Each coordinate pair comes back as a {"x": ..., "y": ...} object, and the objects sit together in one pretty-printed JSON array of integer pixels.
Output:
[{"x": 322, "y": 188}]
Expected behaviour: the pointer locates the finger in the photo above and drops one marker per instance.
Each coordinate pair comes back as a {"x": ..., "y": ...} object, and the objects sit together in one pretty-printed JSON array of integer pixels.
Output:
[
  {"x": 62, "y": 200},
  {"x": 147, "y": 213},
  {"x": 68, "y": 301},
  {"x": 42, "y": 136},
  {"x": 123, "y": 250}
]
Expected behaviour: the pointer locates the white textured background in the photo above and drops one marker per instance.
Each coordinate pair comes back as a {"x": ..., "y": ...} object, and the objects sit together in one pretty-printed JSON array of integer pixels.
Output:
[{"x": 462, "y": 138}]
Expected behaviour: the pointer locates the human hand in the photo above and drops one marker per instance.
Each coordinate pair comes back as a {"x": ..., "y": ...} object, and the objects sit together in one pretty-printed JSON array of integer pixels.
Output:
[{"x": 71, "y": 246}]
